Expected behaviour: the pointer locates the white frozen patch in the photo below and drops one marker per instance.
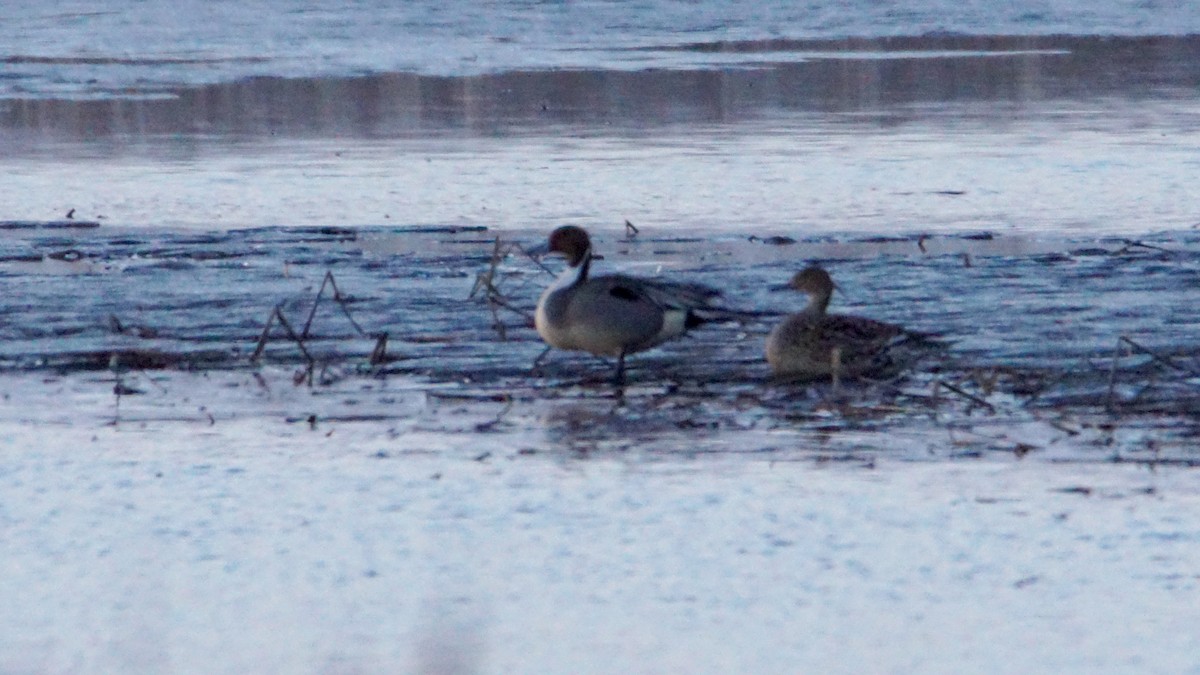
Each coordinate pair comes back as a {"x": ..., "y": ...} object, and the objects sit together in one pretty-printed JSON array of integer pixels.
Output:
[{"x": 249, "y": 544}]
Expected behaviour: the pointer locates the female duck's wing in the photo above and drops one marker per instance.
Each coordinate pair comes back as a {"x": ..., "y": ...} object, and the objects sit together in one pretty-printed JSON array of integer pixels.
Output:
[{"x": 859, "y": 331}]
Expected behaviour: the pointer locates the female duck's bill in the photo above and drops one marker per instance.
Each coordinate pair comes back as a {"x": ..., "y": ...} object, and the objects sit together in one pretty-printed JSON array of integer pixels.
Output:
[
  {"x": 612, "y": 315},
  {"x": 815, "y": 345}
]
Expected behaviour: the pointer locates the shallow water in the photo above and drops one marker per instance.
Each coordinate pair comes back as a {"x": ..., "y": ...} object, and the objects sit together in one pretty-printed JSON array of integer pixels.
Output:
[
  {"x": 1033, "y": 326},
  {"x": 1093, "y": 172},
  {"x": 1085, "y": 134},
  {"x": 89, "y": 49},
  {"x": 1019, "y": 501}
]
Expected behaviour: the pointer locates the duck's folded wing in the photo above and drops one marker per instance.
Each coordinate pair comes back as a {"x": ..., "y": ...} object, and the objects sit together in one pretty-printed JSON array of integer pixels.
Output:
[
  {"x": 665, "y": 295},
  {"x": 866, "y": 334}
]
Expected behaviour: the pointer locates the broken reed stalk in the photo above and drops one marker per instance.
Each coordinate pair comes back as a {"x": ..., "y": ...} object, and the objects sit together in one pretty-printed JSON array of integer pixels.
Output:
[
  {"x": 338, "y": 298},
  {"x": 277, "y": 315},
  {"x": 536, "y": 260},
  {"x": 1135, "y": 347},
  {"x": 486, "y": 281},
  {"x": 967, "y": 395},
  {"x": 493, "y": 294},
  {"x": 537, "y": 363},
  {"x": 1131, "y": 244},
  {"x": 501, "y": 330},
  {"x": 1158, "y": 358},
  {"x": 264, "y": 336},
  {"x": 114, "y": 364},
  {"x": 493, "y": 423},
  {"x": 378, "y": 353},
  {"x": 1112, "y": 377}
]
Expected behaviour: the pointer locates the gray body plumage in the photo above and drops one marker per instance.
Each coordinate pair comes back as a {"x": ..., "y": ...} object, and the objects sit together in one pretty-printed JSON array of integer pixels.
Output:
[{"x": 612, "y": 315}]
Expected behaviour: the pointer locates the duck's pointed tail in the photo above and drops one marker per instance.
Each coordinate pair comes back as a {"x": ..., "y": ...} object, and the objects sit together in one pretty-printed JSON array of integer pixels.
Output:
[{"x": 702, "y": 315}]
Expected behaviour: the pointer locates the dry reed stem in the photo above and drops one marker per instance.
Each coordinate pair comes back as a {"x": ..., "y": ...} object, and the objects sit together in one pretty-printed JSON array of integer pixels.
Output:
[{"x": 338, "y": 298}]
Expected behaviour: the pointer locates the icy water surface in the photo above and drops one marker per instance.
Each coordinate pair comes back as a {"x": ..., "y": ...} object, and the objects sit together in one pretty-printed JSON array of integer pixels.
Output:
[
  {"x": 238, "y": 547},
  {"x": 1039, "y": 329}
]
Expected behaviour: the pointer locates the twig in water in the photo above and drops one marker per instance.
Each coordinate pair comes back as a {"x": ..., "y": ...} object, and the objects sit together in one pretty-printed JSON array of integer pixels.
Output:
[
  {"x": 537, "y": 363},
  {"x": 114, "y": 364},
  {"x": 536, "y": 260},
  {"x": 1134, "y": 347},
  {"x": 497, "y": 324},
  {"x": 266, "y": 333},
  {"x": 1063, "y": 427},
  {"x": 970, "y": 397},
  {"x": 304, "y": 376},
  {"x": 1112, "y": 377},
  {"x": 502, "y": 301},
  {"x": 1131, "y": 244},
  {"x": 262, "y": 382},
  {"x": 338, "y": 298},
  {"x": 277, "y": 315},
  {"x": 1154, "y": 356},
  {"x": 491, "y": 424},
  {"x": 631, "y": 230},
  {"x": 935, "y": 398},
  {"x": 486, "y": 281},
  {"x": 379, "y": 353}
]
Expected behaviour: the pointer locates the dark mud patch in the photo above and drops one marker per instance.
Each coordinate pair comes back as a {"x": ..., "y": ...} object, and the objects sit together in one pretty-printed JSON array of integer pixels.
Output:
[{"x": 1049, "y": 348}]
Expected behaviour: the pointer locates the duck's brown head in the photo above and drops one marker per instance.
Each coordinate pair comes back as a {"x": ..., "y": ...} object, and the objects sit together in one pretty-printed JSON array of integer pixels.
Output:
[
  {"x": 571, "y": 241},
  {"x": 817, "y": 283},
  {"x": 812, "y": 280}
]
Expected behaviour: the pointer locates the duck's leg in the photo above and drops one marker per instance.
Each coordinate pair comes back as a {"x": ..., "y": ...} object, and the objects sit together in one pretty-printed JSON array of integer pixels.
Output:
[
  {"x": 537, "y": 363},
  {"x": 619, "y": 380}
]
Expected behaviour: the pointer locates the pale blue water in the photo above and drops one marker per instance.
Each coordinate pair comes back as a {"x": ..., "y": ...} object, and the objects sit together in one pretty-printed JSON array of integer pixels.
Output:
[
  {"x": 88, "y": 49},
  {"x": 201, "y": 115}
]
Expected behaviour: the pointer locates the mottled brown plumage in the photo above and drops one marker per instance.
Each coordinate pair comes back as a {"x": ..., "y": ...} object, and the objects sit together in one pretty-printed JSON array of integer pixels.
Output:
[{"x": 813, "y": 344}]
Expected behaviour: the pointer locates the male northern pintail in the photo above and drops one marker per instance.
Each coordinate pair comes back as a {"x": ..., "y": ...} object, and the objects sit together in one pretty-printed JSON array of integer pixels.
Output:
[
  {"x": 612, "y": 315},
  {"x": 813, "y": 344}
]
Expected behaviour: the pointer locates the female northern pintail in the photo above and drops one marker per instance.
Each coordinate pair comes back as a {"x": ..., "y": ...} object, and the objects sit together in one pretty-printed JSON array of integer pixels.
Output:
[
  {"x": 813, "y": 344},
  {"x": 613, "y": 314}
]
